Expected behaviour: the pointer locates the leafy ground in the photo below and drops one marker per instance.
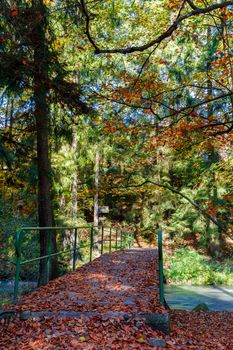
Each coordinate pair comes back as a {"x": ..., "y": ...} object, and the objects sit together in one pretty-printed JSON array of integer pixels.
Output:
[
  {"x": 122, "y": 281},
  {"x": 200, "y": 331}
]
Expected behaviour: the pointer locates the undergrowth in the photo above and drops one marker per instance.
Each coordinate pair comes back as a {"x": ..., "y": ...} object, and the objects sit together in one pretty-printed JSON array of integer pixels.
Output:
[{"x": 187, "y": 266}]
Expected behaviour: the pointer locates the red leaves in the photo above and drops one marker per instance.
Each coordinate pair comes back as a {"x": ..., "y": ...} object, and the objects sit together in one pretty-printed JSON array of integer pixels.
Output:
[
  {"x": 119, "y": 282},
  {"x": 190, "y": 330},
  {"x": 14, "y": 11},
  {"x": 91, "y": 333},
  {"x": 114, "y": 282},
  {"x": 201, "y": 330}
]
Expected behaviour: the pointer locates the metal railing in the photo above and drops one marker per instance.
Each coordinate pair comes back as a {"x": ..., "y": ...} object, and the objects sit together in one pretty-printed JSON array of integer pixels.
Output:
[
  {"x": 114, "y": 237},
  {"x": 160, "y": 254}
]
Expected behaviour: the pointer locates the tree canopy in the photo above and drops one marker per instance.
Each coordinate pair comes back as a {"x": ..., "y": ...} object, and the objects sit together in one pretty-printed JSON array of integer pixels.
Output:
[{"x": 146, "y": 85}]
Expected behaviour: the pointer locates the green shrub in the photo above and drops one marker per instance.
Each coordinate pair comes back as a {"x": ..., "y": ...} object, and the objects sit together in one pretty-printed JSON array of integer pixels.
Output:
[{"x": 189, "y": 266}]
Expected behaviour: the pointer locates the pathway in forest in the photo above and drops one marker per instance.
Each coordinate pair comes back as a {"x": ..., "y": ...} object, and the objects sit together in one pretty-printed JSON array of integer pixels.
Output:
[
  {"x": 118, "y": 288},
  {"x": 121, "y": 282},
  {"x": 101, "y": 293}
]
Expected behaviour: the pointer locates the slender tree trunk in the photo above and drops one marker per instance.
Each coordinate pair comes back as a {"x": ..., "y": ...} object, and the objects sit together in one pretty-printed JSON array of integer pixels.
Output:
[
  {"x": 96, "y": 200},
  {"x": 75, "y": 179},
  {"x": 7, "y": 112},
  {"x": 213, "y": 232},
  {"x": 74, "y": 194},
  {"x": 45, "y": 214},
  {"x": 11, "y": 116}
]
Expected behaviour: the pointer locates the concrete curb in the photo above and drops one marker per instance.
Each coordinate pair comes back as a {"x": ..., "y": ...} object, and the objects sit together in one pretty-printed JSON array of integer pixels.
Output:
[{"x": 156, "y": 321}]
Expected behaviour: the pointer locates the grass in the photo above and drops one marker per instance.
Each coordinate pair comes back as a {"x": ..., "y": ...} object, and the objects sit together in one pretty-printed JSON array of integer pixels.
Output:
[{"x": 187, "y": 266}]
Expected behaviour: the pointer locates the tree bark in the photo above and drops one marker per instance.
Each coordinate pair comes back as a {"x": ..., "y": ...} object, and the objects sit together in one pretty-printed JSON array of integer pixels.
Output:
[
  {"x": 41, "y": 64},
  {"x": 75, "y": 179},
  {"x": 96, "y": 200},
  {"x": 214, "y": 235}
]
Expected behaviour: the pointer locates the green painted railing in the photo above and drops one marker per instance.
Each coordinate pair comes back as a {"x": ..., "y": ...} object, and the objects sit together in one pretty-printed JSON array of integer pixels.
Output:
[
  {"x": 160, "y": 252},
  {"x": 121, "y": 240}
]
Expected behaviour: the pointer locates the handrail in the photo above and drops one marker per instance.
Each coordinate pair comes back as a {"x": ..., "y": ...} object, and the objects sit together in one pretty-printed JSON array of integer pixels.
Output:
[
  {"x": 49, "y": 228},
  {"x": 20, "y": 234}
]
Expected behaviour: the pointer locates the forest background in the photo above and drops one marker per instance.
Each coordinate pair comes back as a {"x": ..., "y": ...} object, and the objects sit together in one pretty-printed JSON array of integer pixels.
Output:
[{"x": 126, "y": 102}]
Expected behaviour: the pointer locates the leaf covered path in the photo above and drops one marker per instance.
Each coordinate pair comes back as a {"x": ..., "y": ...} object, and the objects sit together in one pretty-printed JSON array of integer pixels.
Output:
[{"x": 126, "y": 282}]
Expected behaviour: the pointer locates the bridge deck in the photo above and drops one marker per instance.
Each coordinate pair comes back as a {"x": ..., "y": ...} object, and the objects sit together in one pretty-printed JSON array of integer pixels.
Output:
[{"x": 124, "y": 281}]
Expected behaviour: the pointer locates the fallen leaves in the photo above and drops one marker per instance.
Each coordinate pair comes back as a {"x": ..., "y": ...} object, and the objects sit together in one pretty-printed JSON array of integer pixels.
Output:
[
  {"x": 190, "y": 330},
  {"x": 114, "y": 334},
  {"x": 124, "y": 281},
  {"x": 201, "y": 330},
  {"x": 121, "y": 281}
]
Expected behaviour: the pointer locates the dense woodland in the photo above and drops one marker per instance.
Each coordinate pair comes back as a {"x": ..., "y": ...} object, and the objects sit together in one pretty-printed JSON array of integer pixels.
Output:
[{"x": 128, "y": 103}]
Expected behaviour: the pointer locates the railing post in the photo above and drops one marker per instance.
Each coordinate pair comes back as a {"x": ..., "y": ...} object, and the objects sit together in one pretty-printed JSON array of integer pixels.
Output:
[
  {"x": 18, "y": 260},
  {"x": 125, "y": 239},
  {"x": 131, "y": 240},
  {"x": 50, "y": 233},
  {"x": 75, "y": 247},
  {"x": 91, "y": 243},
  {"x": 116, "y": 237},
  {"x": 102, "y": 238},
  {"x": 121, "y": 238},
  {"x": 160, "y": 251},
  {"x": 110, "y": 239},
  {"x": 17, "y": 274}
]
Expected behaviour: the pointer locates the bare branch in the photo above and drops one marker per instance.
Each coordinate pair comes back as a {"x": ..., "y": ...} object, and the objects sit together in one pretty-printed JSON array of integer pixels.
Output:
[
  {"x": 84, "y": 7},
  {"x": 166, "y": 34},
  {"x": 228, "y": 130},
  {"x": 194, "y": 204},
  {"x": 199, "y": 104},
  {"x": 191, "y": 4}
]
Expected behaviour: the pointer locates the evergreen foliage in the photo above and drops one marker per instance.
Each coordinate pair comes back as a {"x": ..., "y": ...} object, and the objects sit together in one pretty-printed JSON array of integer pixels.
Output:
[{"x": 160, "y": 118}]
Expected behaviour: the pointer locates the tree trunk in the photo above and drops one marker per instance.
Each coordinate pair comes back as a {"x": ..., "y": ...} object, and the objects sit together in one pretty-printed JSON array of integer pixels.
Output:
[
  {"x": 75, "y": 179},
  {"x": 74, "y": 194},
  {"x": 45, "y": 214},
  {"x": 96, "y": 201},
  {"x": 213, "y": 233}
]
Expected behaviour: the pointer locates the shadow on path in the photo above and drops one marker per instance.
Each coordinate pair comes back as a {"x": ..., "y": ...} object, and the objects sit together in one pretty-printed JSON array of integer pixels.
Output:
[{"x": 125, "y": 281}]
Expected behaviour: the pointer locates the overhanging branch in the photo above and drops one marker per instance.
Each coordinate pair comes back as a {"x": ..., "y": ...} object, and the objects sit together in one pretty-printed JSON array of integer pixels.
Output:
[
  {"x": 191, "y": 4},
  {"x": 166, "y": 34},
  {"x": 194, "y": 204}
]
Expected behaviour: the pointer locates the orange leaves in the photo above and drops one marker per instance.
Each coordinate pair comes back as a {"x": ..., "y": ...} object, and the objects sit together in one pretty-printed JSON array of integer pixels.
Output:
[
  {"x": 201, "y": 330},
  {"x": 189, "y": 330},
  {"x": 212, "y": 209},
  {"x": 162, "y": 61},
  {"x": 104, "y": 285},
  {"x": 74, "y": 343},
  {"x": 172, "y": 4},
  {"x": 95, "y": 333},
  {"x": 2, "y": 38},
  {"x": 14, "y": 11},
  {"x": 228, "y": 197}
]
